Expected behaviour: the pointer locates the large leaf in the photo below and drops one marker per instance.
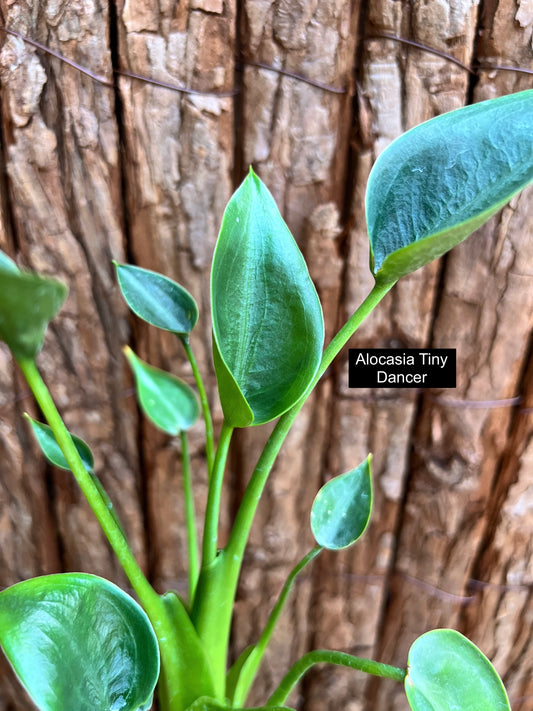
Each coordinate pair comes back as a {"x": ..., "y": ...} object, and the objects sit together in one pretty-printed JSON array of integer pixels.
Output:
[
  {"x": 28, "y": 303},
  {"x": 169, "y": 402},
  {"x": 78, "y": 642},
  {"x": 436, "y": 184},
  {"x": 446, "y": 671},
  {"x": 342, "y": 507},
  {"x": 157, "y": 299},
  {"x": 267, "y": 320}
]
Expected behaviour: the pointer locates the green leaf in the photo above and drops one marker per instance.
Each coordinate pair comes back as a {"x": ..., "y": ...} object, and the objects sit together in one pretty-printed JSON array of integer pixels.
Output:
[
  {"x": 7, "y": 264},
  {"x": 77, "y": 641},
  {"x": 207, "y": 704},
  {"x": 52, "y": 452},
  {"x": 157, "y": 299},
  {"x": 440, "y": 181},
  {"x": 342, "y": 507},
  {"x": 166, "y": 400},
  {"x": 447, "y": 671},
  {"x": 267, "y": 320},
  {"x": 28, "y": 302}
]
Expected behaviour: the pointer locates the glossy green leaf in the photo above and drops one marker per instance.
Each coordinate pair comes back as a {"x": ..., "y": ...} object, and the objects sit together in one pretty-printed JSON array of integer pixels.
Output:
[
  {"x": 342, "y": 507},
  {"x": 437, "y": 183},
  {"x": 77, "y": 641},
  {"x": 191, "y": 665},
  {"x": 267, "y": 320},
  {"x": 52, "y": 452},
  {"x": 157, "y": 299},
  {"x": 447, "y": 671},
  {"x": 207, "y": 704},
  {"x": 28, "y": 302},
  {"x": 166, "y": 400}
]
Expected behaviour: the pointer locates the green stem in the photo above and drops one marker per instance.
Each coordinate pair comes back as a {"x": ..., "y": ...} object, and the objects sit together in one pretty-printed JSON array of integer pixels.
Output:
[
  {"x": 209, "y": 543},
  {"x": 151, "y": 602},
  {"x": 253, "y": 661},
  {"x": 252, "y": 495},
  {"x": 213, "y": 604},
  {"x": 105, "y": 518},
  {"x": 209, "y": 439},
  {"x": 190, "y": 516},
  {"x": 320, "y": 656}
]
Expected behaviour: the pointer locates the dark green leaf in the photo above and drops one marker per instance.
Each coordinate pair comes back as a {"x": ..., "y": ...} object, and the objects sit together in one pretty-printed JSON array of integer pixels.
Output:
[
  {"x": 157, "y": 299},
  {"x": 436, "y": 184},
  {"x": 342, "y": 507},
  {"x": 28, "y": 303},
  {"x": 7, "y": 264},
  {"x": 446, "y": 671},
  {"x": 169, "y": 402},
  {"x": 267, "y": 320},
  {"x": 78, "y": 642},
  {"x": 52, "y": 452}
]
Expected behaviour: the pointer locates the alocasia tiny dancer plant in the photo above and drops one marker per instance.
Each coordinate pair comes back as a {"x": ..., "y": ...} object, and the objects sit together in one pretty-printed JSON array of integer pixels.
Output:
[{"x": 77, "y": 641}]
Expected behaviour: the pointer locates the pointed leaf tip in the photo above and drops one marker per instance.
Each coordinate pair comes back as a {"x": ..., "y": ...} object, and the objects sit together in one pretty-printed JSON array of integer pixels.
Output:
[
  {"x": 165, "y": 399},
  {"x": 342, "y": 508},
  {"x": 267, "y": 320}
]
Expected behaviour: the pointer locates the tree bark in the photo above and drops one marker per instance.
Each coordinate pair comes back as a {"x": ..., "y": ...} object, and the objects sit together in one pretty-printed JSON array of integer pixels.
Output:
[{"x": 133, "y": 171}]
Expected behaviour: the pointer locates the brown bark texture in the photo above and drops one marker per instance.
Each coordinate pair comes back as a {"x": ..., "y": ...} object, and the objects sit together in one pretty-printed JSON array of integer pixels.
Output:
[{"x": 102, "y": 167}]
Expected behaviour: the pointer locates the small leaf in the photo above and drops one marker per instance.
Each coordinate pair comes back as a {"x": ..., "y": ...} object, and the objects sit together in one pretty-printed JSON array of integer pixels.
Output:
[
  {"x": 342, "y": 507},
  {"x": 447, "y": 671},
  {"x": 77, "y": 641},
  {"x": 267, "y": 320},
  {"x": 166, "y": 400},
  {"x": 440, "y": 181},
  {"x": 157, "y": 299},
  {"x": 52, "y": 452},
  {"x": 28, "y": 302}
]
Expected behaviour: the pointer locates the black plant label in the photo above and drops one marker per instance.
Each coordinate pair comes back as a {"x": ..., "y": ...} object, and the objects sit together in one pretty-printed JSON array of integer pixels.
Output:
[{"x": 402, "y": 367}]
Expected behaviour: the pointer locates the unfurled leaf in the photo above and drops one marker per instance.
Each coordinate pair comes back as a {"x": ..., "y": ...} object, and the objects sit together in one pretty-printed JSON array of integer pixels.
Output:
[
  {"x": 447, "y": 671},
  {"x": 440, "y": 181},
  {"x": 78, "y": 642},
  {"x": 28, "y": 303},
  {"x": 157, "y": 299},
  {"x": 166, "y": 400},
  {"x": 342, "y": 507},
  {"x": 50, "y": 448},
  {"x": 267, "y": 321}
]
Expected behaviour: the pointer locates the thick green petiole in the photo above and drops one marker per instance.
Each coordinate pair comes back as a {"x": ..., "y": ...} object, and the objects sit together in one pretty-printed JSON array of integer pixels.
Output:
[
  {"x": 190, "y": 516},
  {"x": 321, "y": 656},
  {"x": 251, "y": 666},
  {"x": 209, "y": 440},
  {"x": 209, "y": 543},
  {"x": 213, "y": 605}
]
